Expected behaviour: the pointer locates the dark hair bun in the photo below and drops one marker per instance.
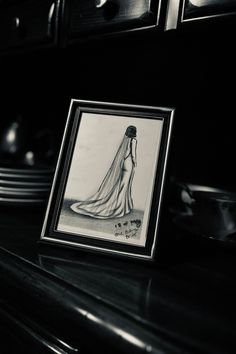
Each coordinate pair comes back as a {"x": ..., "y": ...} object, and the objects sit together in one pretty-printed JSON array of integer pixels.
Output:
[{"x": 131, "y": 131}]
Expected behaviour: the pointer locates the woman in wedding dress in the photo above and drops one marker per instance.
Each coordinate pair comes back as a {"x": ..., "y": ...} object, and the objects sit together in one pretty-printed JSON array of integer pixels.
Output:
[{"x": 113, "y": 198}]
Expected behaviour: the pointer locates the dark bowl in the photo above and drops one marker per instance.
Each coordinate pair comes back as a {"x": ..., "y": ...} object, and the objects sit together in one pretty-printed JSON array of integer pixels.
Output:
[{"x": 204, "y": 210}]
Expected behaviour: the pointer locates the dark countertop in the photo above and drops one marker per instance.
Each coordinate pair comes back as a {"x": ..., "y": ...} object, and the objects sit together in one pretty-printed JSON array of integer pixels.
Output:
[{"x": 79, "y": 302}]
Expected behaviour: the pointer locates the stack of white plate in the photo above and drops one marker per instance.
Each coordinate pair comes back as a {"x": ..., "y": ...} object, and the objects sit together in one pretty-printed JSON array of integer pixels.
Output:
[{"x": 24, "y": 185}]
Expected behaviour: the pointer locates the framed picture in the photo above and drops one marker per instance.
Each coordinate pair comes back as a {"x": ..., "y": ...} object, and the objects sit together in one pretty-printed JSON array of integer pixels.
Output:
[{"x": 108, "y": 185}]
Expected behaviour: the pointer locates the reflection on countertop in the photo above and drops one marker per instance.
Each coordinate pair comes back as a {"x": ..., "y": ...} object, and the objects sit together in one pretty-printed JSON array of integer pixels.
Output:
[{"x": 180, "y": 301}]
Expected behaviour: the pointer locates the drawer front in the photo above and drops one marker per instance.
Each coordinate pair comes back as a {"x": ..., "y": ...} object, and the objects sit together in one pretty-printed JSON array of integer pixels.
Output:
[
  {"x": 28, "y": 23},
  {"x": 194, "y": 9},
  {"x": 96, "y": 16}
]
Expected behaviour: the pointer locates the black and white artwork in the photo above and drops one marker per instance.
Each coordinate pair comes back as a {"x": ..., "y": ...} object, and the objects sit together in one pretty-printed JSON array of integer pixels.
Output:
[{"x": 109, "y": 187}]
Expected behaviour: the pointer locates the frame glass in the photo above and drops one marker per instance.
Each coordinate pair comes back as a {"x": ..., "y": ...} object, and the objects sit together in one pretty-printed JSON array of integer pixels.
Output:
[{"x": 108, "y": 185}]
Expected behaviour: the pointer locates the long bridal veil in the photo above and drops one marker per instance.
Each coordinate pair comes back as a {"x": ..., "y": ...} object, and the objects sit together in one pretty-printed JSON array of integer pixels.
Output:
[{"x": 114, "y": 195}]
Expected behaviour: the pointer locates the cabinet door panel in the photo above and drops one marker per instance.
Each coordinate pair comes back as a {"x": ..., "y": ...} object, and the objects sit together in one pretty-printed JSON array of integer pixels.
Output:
[
  {"x": 96, "y": 16},
  {"x": 28, "y": 23},
  {"x": 201, "y": 8}
]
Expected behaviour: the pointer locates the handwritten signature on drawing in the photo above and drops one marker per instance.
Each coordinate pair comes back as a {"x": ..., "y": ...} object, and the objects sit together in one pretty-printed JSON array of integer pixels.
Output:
[{"x": 128, "y": 229}]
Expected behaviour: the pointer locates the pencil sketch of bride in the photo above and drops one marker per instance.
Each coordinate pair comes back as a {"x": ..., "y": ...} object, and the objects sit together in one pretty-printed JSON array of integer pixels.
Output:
[{"x": 113, "y": 198}]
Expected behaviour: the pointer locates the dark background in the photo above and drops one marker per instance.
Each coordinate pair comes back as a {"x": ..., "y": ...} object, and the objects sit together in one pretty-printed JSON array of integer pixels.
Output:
[{"x": 194, "y": 72}]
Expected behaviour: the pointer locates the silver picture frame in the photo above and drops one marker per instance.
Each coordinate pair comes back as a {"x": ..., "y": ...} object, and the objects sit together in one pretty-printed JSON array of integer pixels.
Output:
[{"x": 107, "y": 191}]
